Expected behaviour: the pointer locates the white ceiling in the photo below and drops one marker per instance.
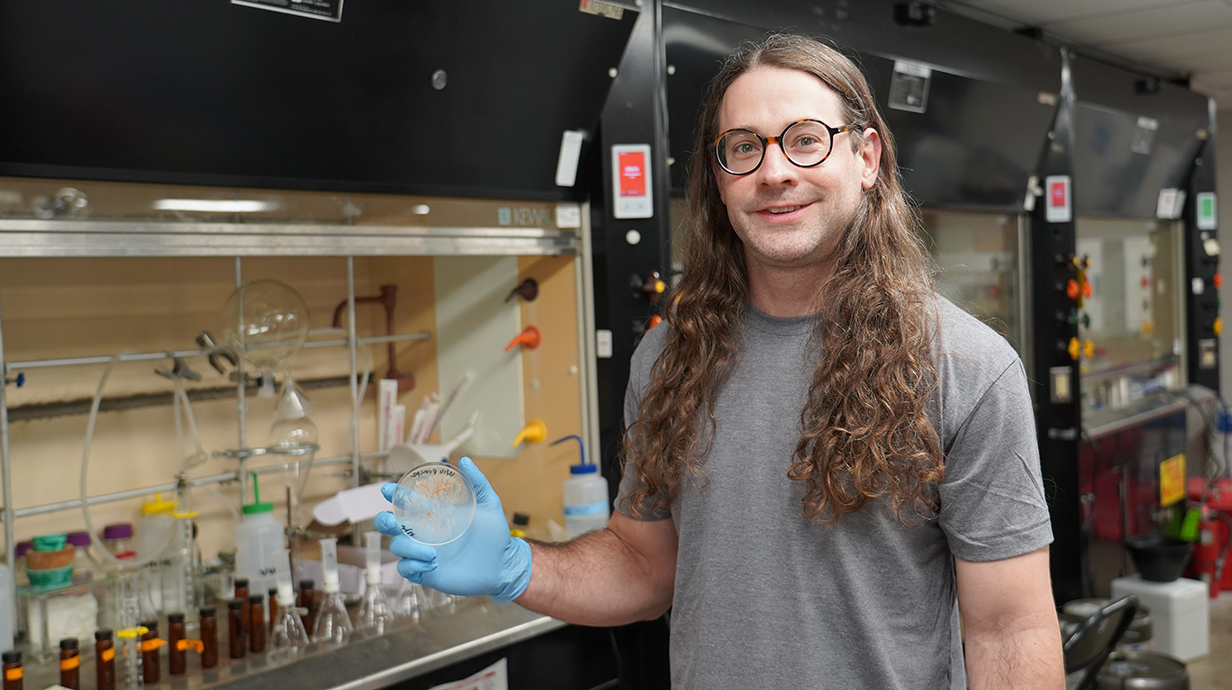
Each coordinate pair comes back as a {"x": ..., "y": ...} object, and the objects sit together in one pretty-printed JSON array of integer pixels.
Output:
[{"x": 1164, "y": 37}]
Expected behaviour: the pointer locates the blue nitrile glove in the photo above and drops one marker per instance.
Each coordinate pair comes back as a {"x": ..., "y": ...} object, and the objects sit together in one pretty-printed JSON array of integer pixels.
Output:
[{"x": 490, "y": 561}]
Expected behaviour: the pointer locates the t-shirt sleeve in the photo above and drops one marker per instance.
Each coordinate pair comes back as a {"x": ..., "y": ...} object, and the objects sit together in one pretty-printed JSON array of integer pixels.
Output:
[
  {"x": 992, "y": 496},
  {"x": 639, "y": 371}
]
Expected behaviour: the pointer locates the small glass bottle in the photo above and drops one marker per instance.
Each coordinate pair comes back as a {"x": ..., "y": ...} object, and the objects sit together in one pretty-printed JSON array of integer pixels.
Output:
[
  {"x": 150, "y": 658},
  {"x": 307, "y": 601},
  {"x": 83, "y": 565},
  {"x": 209, "y": 637},
  {"x": 118, "y": 538},
  {"x": 13, "y": 673},
  {"x": 177, "y": 655},
  {"x": 235, "y": 628},
  {"x": 256, "y": 623},
  {"x": 70, "y": 664},
  {"x": 241, "y": 593},
  {"x": 104, "y": 660},
  {"x": 273, "y": 606}
]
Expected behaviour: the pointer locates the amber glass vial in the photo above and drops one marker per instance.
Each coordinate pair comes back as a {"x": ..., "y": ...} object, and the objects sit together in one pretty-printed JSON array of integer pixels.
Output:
[
  {"x": 177, "y": 658},
  {"x": 307, "y": 602},
  {"x": 241, "y": 593},
  {"x": 209, "y": 638},
  {"x": 235, "y": 628},
  {"x": 150, "y": 657},
  {"x": 70, "y": 664},
  {"x": 13, "y": 672},
  {"x": 104, "y": 660},
  {"x": 273, "y": 608},
  {"x": 256, "y": 623}
]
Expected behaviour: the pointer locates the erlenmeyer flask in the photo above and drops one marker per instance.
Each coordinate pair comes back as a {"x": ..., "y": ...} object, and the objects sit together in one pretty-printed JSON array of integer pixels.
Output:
[
  {"x": 375, "y": 613},
  {"x": 333, "y": 621},
  {"x": 293, "y": 437},
  {"x": 288, "y": 634},
  {"x": 410, "y": 601}
]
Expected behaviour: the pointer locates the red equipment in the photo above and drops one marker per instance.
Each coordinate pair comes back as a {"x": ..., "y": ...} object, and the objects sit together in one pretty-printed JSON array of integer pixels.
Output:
[{"x": 1210, "y": 552}]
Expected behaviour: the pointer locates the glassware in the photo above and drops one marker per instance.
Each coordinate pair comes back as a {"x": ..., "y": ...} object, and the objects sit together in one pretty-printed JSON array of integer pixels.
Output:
[
  {"x": 411, "y": 601},
  {"x": 150, "y": 657},
  {"x": 104, "y": 660},
  {"x": 307, "y": 602},
  {"x": 375, "y": 612},
  {"x": 13, "y": 672},
  {"x": 235, "y": 628},
  {"x": 70, "y": 664},
  {"x": 333, "y": 621},
  {"x": 265, "y": 322},
  {"x": 287, "y": 633},
  {"x": 131, "y": 639},
  {"x": 177, "y": 656},
  {"x": 434, "y": 504},
  {"x": 209, "y": 637},
  {"x": 256, "y": 623}
]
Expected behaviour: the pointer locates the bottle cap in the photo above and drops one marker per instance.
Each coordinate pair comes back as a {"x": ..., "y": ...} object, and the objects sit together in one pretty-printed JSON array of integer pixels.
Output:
[
  {"x": 272, "y": 591},
  {"x": 11, "y": 657},
  {"x": 206, "y": 612},
  {"x": 50, "y": 542},
  {"x": 151, "y": 625},
  {"x": 104, "y": 634},
  {"x": 307, "y": 584},
  {"x": 241, "y": 582},
  {"x": 286, "y": 597},
  {"x": 68, "y": 643},
  {"x": 175, "y": 618},
  {"x": 257, "y": 507},
  {"x": 256, "y": 598},
  {"x": 79, "y": 538},
  {"x": 23, "y": 547},
  {"x": 235, "y": 604},
  {"x": 583, "y": 469},
  {"x": 118, "y": 530},
  {"x": 157, "y": 506}
]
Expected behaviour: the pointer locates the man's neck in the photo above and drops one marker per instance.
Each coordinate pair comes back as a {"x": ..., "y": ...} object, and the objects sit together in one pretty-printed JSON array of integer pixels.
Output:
[{"x": 787, "y": 292}]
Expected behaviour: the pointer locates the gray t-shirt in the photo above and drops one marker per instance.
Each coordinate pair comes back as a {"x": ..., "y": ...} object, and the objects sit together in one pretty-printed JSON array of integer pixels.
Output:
[{"x": 767, "y": 599}]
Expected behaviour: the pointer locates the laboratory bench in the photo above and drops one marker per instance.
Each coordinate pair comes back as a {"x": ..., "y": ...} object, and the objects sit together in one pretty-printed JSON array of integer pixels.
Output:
[{"x": 539, "y": 652}]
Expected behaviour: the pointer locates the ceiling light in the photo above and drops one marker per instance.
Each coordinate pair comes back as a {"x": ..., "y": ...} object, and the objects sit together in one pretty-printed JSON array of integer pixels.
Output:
[{"x": 216, "y": 205}]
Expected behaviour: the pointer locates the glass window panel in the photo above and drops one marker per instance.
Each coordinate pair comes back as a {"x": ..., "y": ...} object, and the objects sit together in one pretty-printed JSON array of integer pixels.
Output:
[
  {"x": 977, "y": 255},
  {"x": 1133, "y": 315}
]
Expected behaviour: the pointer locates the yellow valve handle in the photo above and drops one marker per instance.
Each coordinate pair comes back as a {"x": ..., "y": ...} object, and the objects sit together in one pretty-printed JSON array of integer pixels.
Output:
[
  {"x": 535, "y": 432},
  {"x": 1088, "y": 349},
  {"x": 660, "y": 286},
  {"x": 1074, "y": 345},
  {"x": 130, "y": 633},
  {"x": 1217, "y": 326}
]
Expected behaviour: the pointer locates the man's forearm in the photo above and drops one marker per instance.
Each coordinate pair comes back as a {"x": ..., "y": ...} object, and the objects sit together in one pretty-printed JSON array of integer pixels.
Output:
[
  {"x": 596, "y": 580},
  {"x": 1015, "y": 658}
]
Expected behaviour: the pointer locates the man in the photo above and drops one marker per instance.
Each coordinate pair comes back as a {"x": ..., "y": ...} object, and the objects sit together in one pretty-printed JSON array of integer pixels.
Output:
[{"x": 825, "y": 461}]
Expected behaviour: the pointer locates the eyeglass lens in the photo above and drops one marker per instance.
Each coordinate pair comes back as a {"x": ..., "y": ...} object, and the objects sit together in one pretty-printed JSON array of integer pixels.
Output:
[{"x": 804, "y": 143}]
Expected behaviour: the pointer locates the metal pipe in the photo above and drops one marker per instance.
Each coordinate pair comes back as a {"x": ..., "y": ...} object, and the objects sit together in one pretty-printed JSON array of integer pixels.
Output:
[
  {"x": 6, "y": 467},
  {"x": 350, "y": 264},
  {"x": 165, "y": 354},
  {"x": 241, "y": 393},
  {"x": 222, "y": 478}
]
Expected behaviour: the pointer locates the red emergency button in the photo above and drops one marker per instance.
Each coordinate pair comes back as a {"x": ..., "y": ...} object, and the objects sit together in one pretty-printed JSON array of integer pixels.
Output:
[
  {"x": 1217, "y": 280},
  {"x": 1071, "y": 289}
]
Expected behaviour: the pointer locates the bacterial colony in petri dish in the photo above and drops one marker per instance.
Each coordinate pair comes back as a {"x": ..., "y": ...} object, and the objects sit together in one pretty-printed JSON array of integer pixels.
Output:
[{"x": 434, "y": 503}]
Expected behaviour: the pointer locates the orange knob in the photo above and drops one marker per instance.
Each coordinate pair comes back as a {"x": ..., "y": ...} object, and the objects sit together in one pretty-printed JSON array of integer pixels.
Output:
[
  {"x": 529, "y": 338},
  {"x": 1071, "y": 289},
  {"x": 1073, "y": 348},
  {"x": 1217, "y": 326},
  {"x": 1088, "y": 349},
  {"x": 654, "y": 321},
  {"x": 1217, "y": 280},
  {"x": 1086, "y": 288}
]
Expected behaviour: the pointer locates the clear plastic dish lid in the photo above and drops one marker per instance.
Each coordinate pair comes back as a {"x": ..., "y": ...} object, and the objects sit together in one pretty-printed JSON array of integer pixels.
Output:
[{"x": 434, "y": 503}]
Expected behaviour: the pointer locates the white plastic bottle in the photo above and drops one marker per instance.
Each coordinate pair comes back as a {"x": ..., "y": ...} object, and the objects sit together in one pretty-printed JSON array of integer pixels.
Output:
[
  {"x": 156, "y": 539},
  {"x": 586, "y": 500},
  {"x": 259, "y": 540}
]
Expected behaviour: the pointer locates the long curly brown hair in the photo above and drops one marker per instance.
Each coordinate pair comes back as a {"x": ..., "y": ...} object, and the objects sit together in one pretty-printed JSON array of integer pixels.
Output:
[{"x": 866, "y": 429}]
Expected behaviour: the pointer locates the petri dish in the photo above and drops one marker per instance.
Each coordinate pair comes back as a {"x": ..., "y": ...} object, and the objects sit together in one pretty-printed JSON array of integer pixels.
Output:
[{"x": 434, "y": 503}]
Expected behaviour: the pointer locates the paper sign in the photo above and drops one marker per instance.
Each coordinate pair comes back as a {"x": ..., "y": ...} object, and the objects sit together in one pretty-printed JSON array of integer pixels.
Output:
[
  {"x": 1057, "y": 196},
  {"x": 1171, "y": 480},
  {"x": 494, "y": 677},
  {"x": 632, "y": 195},
  {"x": 567, "y": 160},
  {"x": 1208, "y": 211}
]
